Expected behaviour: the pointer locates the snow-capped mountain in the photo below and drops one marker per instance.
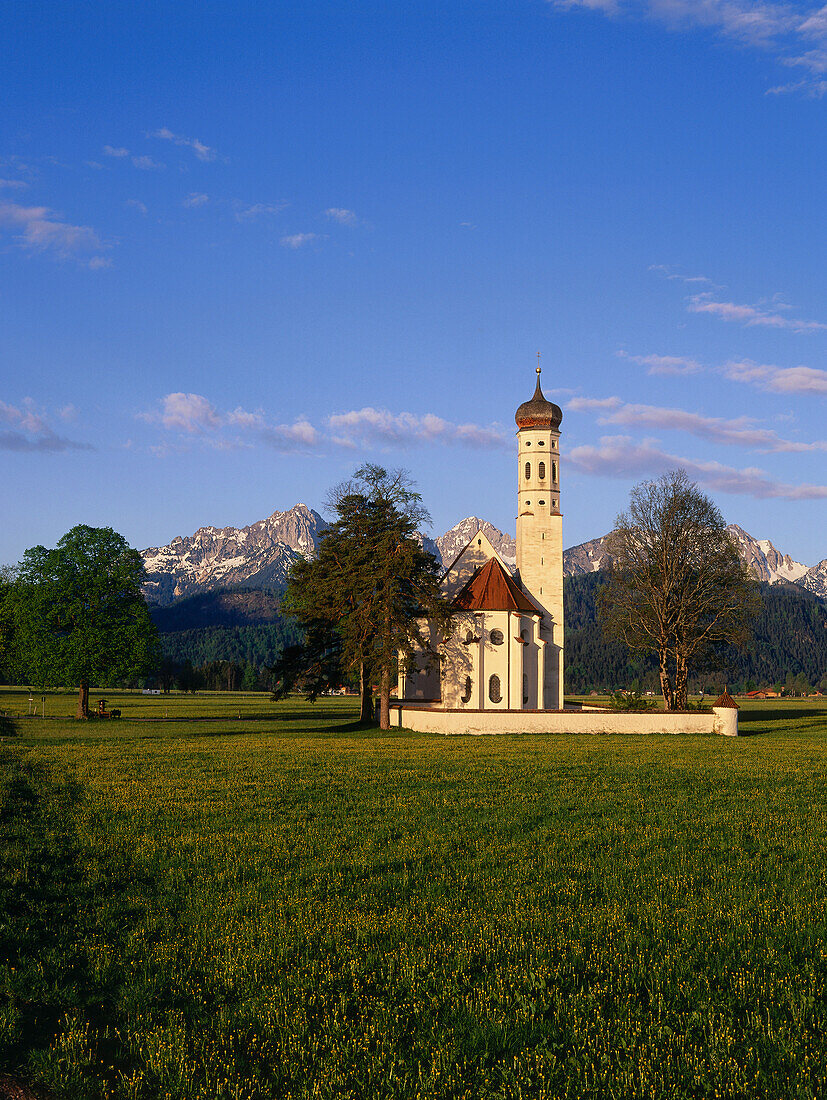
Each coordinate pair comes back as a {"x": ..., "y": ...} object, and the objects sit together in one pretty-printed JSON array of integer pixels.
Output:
[
  {"x": 765, "y": 562},
  {"x": 258, "y": 556},
  {"x": 454, "y": 541},
  {"x": 588, "y": 557}
]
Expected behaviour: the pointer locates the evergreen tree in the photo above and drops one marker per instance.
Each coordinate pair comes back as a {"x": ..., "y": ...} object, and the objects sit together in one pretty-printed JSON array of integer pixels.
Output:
[{"x": 362, "y": 599}]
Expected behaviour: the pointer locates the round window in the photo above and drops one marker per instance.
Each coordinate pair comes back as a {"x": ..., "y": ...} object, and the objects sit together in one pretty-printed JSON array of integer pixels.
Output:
[{"x": 497, "y": 637}]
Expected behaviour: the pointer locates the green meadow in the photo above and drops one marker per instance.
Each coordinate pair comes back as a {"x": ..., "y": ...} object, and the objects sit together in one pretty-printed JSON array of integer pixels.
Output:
[{"x": 268, "y": 902}]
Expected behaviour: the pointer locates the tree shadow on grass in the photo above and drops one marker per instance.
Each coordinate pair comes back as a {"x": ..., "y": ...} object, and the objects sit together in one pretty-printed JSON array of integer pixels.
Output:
[
  {"x": 764, "y": 720},
  {"x": 56, "y": 901}
]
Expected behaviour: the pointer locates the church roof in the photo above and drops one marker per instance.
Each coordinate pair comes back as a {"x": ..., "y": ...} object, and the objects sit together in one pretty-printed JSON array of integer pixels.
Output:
[
  {"x": 538, "y": 413},
  {"x": 492, "y": 589}
]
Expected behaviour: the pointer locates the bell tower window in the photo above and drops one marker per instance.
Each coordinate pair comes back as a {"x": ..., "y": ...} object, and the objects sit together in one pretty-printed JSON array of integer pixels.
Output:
[
  {"x": 527, "y": 470},
  {"x": 541, "y": 471}
]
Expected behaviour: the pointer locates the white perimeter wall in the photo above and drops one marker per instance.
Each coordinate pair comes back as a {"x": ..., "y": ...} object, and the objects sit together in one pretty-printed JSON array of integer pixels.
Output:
[{"x": 723, "y": 720}]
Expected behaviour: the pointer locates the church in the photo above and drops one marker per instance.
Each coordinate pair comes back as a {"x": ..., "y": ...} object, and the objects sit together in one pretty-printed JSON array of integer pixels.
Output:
[{"x": 505, "y": 648}]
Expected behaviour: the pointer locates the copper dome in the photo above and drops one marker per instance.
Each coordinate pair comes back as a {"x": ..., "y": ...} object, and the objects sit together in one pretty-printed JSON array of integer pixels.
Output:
[{"x": 538, "y": 413}]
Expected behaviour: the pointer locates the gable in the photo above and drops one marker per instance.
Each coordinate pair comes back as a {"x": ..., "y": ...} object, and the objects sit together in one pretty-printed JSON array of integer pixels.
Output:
[{"x": 477, "y": 552}]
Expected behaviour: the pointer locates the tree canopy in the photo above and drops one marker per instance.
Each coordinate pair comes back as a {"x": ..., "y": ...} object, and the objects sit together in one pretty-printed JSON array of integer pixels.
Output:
[
  {"x": 677, "y": 586},
  {"x": 78, "y": 615},
  {"x": 362, "y": 598}
]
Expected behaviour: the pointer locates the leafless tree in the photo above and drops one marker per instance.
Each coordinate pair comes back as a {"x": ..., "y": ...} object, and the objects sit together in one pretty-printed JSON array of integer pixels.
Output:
[{"x": 677, "y": 585}]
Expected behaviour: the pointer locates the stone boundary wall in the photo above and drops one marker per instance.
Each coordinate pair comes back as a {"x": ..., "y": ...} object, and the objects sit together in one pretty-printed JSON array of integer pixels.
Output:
[{"x": 722, "y": 720}]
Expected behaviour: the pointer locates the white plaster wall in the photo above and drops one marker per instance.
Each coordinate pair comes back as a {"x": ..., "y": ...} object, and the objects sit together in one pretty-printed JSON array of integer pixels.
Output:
[{"x": 433, "y": 720}]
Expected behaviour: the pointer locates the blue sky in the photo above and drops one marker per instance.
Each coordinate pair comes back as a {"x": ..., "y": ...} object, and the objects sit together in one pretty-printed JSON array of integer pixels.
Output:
[{"x": 245, "y": 248}]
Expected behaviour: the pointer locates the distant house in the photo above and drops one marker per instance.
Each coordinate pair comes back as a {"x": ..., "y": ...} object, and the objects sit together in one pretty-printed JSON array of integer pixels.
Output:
[{"x": 762, "y": 693}]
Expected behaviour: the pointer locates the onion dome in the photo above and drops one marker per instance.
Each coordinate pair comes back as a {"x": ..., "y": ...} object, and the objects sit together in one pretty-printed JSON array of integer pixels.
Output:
[{"x": 538, "y": 413}]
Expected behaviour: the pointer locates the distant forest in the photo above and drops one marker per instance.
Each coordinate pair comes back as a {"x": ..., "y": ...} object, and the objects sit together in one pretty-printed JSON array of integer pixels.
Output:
[
  {"x": 243, "y": 630},
  {"x": 789, "y": 646}
]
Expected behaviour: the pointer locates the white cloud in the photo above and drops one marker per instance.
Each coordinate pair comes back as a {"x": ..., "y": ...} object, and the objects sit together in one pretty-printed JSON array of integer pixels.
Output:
[
  {"x": 298, "y": 240},
  {"x": 202, "y": 151},
  {"x": 664, "y": 364},
  {"x": 791, "y": 33},
  {"x": 147, "y": 164},
  {"x": 40, "y": 231},
  {"x": 750, "y": 315},
  {"x": 259, "y": 209},
  {"x": 189, "y": 412},
  {"x": 621, "y": 457},
  {"x": 15, "y": 184},
  {"x": 115, "y": 151},
  {"x": 192, "y": 414},
  {"x": 196, "y": 198},
  {"x": 803, "y": 380},
  {"x": 739, "y": 432},
  {"x": 29, "y": 431},
  {"x": 136, "y": 204},
  {"x": 342, "y": 216},
  {"x": 370, "y": 427}
]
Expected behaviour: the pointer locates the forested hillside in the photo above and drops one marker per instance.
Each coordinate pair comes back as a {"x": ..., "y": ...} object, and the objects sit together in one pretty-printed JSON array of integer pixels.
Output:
[{"x": 789, "y": 645}]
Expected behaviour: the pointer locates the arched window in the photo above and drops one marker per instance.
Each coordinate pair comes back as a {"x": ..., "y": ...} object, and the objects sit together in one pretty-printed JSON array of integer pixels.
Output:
[
  {"x": 541, "y": 472},
  {"x": 554, "y": 471},
  {"x": 496, "y": 637},
  {"x": 525, "y": 688},
  {"x": 527, "y": 470},
  {"x": 466, "y": 695},
  {"x": 494, "y": 689}
]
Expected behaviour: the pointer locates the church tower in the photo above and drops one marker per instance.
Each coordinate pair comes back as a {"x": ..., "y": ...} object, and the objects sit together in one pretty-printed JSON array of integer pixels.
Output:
[{"x": 540, "y": 530}]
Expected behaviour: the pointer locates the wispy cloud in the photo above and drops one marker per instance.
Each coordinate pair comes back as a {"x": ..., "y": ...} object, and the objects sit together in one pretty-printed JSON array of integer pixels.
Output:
[
  {"x": 342, "y": 216},
  {"x": 370, "y": 427},
  {"x": 299, "y": 240},
  {"x": 789, "y": 31},
  {"x": 622, "y": 456},
  {"x": 39, "y": 230},
  {"x": 191, "y": 415},
  {"x": 258, "y": 210},
  {"x": 668, "y": 273},
  {"x": 14, "y": 184},
  {"x": 739, "y": 432},
  {"x": 27, "y": 430},
  {"x": 136, "y": 204},
  {"x": 202, "y": 151},
  {"x": 802, "y": 380},
  {"x": 750, "y": 315},
  {"x": 196, "y": 198},
  {"x": 664, "y": 364},
  {"x": 115, "y": 151},
  {"x": 147, "y": 164}
]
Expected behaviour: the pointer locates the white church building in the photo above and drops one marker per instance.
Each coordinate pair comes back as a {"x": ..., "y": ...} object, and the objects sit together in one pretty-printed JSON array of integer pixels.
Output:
[
  {"x": 500, "y": 669},
  {"x": 505, "y": 648}
]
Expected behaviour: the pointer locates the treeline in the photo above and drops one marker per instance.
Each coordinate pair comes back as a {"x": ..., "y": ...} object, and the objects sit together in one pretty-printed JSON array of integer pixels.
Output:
[
  {"x": 257, "y": 645},
  {"x": 788, "y": 649},
  {"x": 212, "y": 676}
]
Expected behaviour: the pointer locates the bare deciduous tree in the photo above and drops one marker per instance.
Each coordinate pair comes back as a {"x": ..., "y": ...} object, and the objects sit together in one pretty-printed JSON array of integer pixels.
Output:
[{"x": 677, "y": 586}]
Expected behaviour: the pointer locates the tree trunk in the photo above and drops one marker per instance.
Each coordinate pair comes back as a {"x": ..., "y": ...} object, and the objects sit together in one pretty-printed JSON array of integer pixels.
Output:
[
  {"x": 83, "y": 700},
  {"x": 681, "y": 678},
  {"x": 385, "y": 700},
  {"x": 665, "y": 684},
  {"x": 366, "y": 704}
]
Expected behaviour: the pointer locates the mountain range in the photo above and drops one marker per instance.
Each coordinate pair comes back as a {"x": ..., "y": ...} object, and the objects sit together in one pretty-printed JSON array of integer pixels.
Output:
[{"x": 260, "y": 556}]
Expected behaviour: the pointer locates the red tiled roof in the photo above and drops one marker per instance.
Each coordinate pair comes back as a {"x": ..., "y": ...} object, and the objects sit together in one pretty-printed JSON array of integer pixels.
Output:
[
  {"x": 492, "y": 589},
  {"x": 726, "y": 700}
]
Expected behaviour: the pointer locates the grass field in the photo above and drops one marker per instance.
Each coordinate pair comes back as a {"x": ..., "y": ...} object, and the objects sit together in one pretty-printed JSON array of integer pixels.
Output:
[{"x": 283, "y": 905}]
